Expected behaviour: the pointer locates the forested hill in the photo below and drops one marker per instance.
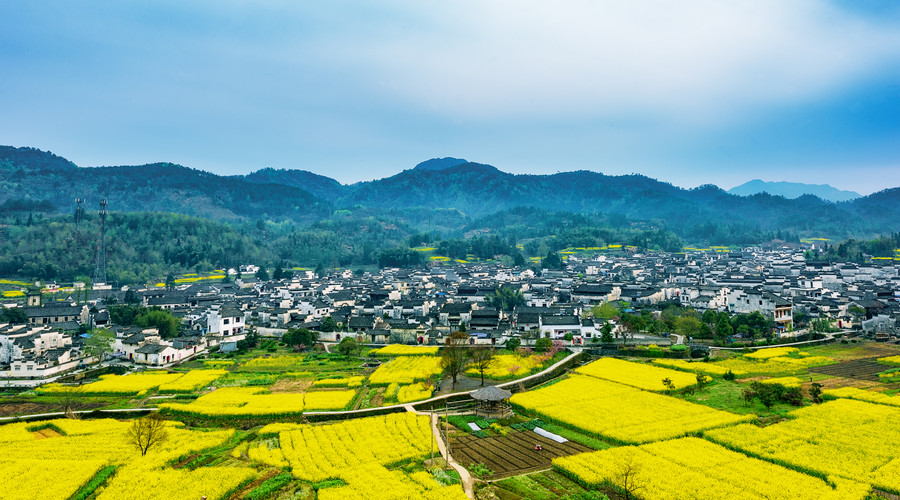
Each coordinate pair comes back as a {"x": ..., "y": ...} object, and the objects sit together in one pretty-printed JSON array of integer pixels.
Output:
[
  {"x": 422, "y": 194},
  {"x": 28, "y": 174}
]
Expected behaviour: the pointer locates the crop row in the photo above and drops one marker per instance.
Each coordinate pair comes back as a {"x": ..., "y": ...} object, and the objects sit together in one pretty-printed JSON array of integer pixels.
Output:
[
  {"x": 695, "y": 468},
  {"x": 853, "y": 439},
  {"x": 620, "y": 413}
]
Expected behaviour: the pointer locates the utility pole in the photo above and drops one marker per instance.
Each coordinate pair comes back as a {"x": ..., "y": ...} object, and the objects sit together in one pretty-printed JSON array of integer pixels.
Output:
[{"x": 100, "y": 256}]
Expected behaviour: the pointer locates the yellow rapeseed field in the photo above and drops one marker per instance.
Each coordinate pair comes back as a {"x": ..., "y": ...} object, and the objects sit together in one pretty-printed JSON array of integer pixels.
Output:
[
  {"x": 853, "y": 439},
  {"x": 358, "y": 452},
  {"x": 861, "y": 395},
  {"x": 620, "y": 413},
  {"x": 640, "y": 375},
  {"x": 406, "y": 370},
  {"x": 57, "y": 467},
  {"x": 405, "y": 350},
  {"x": 506, "y": 366},
  {"x": 697, "y": 469},
  {"x": 240, "y": 401}
]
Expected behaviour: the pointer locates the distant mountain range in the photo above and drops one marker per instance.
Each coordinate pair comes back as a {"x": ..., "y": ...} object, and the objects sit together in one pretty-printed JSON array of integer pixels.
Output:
[
  {"x": 793, "y": 190},
  {"x": 475, "y": 190}
]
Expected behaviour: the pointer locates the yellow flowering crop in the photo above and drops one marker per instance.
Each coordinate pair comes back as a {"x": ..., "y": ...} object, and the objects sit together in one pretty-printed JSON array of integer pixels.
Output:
[
  {"x": 358, "y": 452},
  {"x": 741, "y": 367},
  {"x": 414, "y": 392},
  {"x": 772, "y": 352},
  {"x": 391, "y": 485},
  {"x": 327, "y": 400},
  {"x": 785, "y": 381},
  {"x": 504, "y": 366},
  {"x": 192, "y": 380},
  {"x": 620, "y": 413},
  {"x": 697, "y": 469},
  {"x": 217, "y": 363},
  {"x": 640, "y": 375},
  {"x": 695, "y": 367},
  {"x": 861, "y": 395},
  {"x": 340, "y": 382},
  {"x": 276, "y": 428},
  {"x": 288, "y": 362},
  {"x": 134, "y": 383},
  {"x": 57, "y": 467},
  {"x": 890, "y": 360},
  {"x": 853, "y": 439},
  {"x": 406, "y": 370},
  {"x": 405, "y": 350},
  {"x": 240, "y": 401}
]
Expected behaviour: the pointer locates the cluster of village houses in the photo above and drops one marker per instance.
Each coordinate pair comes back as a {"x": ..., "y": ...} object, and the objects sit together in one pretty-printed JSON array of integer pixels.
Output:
[{"x": 424, "y": 305}]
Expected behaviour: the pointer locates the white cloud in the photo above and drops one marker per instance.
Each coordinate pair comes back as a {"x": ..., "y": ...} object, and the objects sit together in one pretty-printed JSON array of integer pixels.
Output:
[{"x": 689, "y": 61}]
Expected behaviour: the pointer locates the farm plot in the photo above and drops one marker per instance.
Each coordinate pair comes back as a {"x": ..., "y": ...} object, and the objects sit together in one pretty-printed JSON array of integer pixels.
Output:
[
  {"x": 640, "y": 375},
  {"x": 620, "y": 413},
  {"x": 514, "y": 453},
  {"x": 852, "y": 439},
  {"x": 695, "y": 468},
  {"x": 860, "y": 369}
]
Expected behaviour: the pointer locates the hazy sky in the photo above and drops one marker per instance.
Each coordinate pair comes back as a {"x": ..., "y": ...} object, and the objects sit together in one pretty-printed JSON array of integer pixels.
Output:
[{"x": 689, "y": 92}]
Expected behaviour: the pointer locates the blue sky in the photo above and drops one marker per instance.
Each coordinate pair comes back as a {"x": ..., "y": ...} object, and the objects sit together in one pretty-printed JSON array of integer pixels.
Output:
[{"x": 691, "y": 92}]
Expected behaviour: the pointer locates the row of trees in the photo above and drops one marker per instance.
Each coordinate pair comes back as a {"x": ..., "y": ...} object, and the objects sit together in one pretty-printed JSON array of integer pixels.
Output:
[{"x": 686, "y": 321}]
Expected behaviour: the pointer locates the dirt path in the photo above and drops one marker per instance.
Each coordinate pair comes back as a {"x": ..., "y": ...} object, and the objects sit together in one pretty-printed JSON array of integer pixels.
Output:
[{"x": 467, "y": 480}]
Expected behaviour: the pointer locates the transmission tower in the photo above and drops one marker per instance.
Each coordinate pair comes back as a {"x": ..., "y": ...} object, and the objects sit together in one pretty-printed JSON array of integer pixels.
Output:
[
  {"x": 79, "y": 216},
  {"x": 100, "y": 260}
]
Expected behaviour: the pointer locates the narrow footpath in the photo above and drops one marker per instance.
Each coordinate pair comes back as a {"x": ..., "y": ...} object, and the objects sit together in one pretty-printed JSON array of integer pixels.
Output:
[{"x": 467, "y": 481}]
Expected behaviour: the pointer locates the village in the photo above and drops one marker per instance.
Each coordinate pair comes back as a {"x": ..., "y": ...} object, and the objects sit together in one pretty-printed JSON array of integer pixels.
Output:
[{"x": 424, "y": 306}]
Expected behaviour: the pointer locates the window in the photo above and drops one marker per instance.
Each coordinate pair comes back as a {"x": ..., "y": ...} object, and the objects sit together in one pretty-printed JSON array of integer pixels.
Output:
[
  {"x": 17, "y": 367},
  {"x": 226, "y": 321}
]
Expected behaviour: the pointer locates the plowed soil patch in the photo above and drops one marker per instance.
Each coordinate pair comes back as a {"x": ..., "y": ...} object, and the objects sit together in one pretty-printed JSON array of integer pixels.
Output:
[
  {"x": 512, "y": 453},
  {"x": 860, "y": 369}
]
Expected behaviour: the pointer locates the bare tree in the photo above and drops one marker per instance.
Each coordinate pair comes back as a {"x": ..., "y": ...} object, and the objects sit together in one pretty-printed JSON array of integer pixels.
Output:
[
  {"x": 455, "y": 355},
  {"x": 626, "y": 477},
  {"x": 67, "y": 399},
  {"x": 482, "y": 357},
  {"x": 147, "y": 432}
]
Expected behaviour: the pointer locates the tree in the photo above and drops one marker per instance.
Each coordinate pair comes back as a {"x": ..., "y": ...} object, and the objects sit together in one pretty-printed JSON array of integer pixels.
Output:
[
  {"x": 147, "y": 432},
  {"x": 670, "y": 386},
  {"x": 262, "y": 274},
  {"x": 168, "y": 325},
  {"x": 688, "y": 326},
  {"x": 482, "y": 357},
  {"x": 505, "y": 298},
  {"x": 67, "y": 399},
  {"x": 552, "y": 261},
  {"x": 606, "y": 337},
  {"x": 518, "y": 259},
  {"x": 277, "y": 273},
  {"x": 348, "y": 346},
  {"x": 99, "y": 342},
  {"x": 701, "y": 381},
  {"x": 131, "y": 297},
  {"x": 170, "y": 281},
  {"x": 455, "y": 354},
  {"x": 723, "y": 328},
  {"x": 543, "y": 344},
  {"x": 815, "y": 392},
  {"x": 605, "y": 310},
  {"x": 300, "y": 337},
  {"x": 250, "y": 340},
  {"x": 513, "y": 343},
  {"x": 328, "y": 324},
  {"x": 709, "y": 317},
  {"x": 626, "y": 477},
  {"x": 13, "y": 315}
]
